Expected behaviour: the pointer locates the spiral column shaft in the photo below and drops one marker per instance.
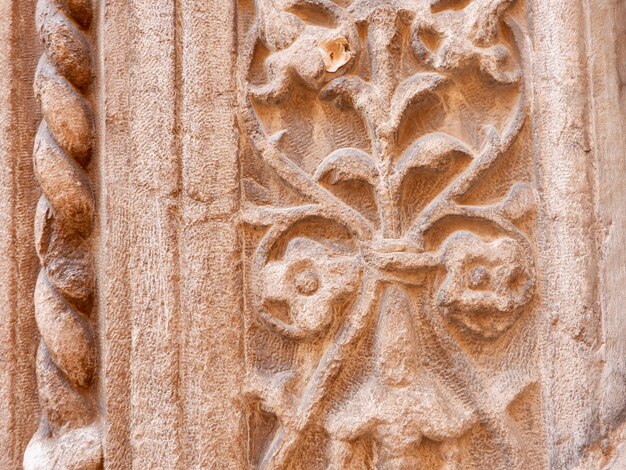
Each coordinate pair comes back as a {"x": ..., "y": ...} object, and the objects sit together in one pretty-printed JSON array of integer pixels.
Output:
[{"x": 69, "y": 435}]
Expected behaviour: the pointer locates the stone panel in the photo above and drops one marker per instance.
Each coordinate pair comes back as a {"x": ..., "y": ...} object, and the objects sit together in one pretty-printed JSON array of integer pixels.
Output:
[
  {"x": 390, "y": 198},
  {"x": 312, "y": 234}
]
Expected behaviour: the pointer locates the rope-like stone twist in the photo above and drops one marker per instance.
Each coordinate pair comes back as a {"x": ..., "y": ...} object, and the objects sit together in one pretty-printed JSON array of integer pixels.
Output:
[{"x": 69, "y": 435}]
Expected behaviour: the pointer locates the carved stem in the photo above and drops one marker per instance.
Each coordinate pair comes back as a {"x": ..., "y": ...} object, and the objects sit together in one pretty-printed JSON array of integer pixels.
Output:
[
  {"x": 287, "y": 170},
  {"x": 494, "y": 149},
  {"x": 384, "y": 79},
  {"x": 69, "y": 435},
  {"x": 286, "y": 441},
  {"x": 474, "y": 386}
]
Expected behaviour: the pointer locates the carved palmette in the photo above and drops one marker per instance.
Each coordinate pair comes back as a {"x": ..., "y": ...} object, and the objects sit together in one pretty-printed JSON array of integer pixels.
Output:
[
  {"x": 69, "y": 434},
  {"x": 384, "y": 279}
]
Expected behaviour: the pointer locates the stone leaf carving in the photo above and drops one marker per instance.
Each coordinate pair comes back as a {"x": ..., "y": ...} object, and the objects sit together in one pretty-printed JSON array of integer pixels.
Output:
[{"x": 375, "y": 272}]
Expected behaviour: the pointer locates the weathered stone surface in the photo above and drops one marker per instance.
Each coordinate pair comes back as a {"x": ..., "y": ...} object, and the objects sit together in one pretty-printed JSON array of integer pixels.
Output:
[
  {"x": 313, "y": 234},
  {"x": 19, "y": 117}
]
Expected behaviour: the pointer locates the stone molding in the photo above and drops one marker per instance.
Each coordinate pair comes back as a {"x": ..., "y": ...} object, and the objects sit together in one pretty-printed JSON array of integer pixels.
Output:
[{"x": 69, "y": 434}]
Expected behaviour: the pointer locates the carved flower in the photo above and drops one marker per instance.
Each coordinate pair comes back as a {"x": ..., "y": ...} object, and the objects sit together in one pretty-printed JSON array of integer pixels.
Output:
[
  {"x": 466, "y": 38},
  {"x": 307, "y": 284},
  {"x": 487, "y": 283},
  {"x": 310, "y": 52}
]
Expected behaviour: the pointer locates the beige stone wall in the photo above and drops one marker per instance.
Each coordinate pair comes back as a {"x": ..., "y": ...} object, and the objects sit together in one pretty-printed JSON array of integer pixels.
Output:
[{"x": 312, "y": 234}]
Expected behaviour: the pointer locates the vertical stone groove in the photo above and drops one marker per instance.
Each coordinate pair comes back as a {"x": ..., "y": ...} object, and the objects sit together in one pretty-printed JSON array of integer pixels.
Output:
[{"x": 69, "y": 435}]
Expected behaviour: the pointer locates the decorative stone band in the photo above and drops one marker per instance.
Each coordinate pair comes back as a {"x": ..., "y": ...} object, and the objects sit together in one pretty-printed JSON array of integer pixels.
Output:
[{"x": 69, "y": 434}]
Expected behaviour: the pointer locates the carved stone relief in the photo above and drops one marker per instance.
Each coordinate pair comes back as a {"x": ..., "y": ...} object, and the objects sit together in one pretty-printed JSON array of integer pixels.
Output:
[
  {"x": 312, "y": 234},
  {"x": 389, "y": 209}
]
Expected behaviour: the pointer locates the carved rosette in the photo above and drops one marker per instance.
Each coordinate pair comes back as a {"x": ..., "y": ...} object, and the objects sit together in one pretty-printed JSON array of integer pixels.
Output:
[
  {"x": 69, "y": 434},
  {"x": 386, "y": 280}
]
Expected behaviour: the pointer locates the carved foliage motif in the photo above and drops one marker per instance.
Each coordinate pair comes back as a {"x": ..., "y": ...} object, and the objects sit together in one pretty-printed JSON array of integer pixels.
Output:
[
  {"x": 69, "y": 435},
  {"x": 388, "y": 234}
]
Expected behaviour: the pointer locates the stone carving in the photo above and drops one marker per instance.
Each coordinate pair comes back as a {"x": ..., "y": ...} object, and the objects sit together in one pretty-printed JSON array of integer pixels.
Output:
[
  {"x": 308, "y": 282},
  {"x": 486, "y": 284},
  {"x": 69, "y": 433},
  {"x": 384, "y": 282},
  {"x": 323, "y": 234}
]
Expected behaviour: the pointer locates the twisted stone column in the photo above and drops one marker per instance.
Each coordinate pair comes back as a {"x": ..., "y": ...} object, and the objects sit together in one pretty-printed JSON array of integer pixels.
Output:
[{"x": 69, "y": 435}]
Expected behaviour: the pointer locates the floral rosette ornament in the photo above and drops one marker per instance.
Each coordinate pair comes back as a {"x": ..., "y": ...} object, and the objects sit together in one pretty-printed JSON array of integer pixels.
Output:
[
  {"x": 307, "y": 285},
  {"x": 486, "y": 284},
  {"x": 350, "y": 296}
]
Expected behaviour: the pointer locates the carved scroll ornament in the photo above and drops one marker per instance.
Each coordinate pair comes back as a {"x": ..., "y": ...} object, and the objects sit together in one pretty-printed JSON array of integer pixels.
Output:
[
  {"x": 346, "y": 290},
  {"x": 69, "y": 435}
]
